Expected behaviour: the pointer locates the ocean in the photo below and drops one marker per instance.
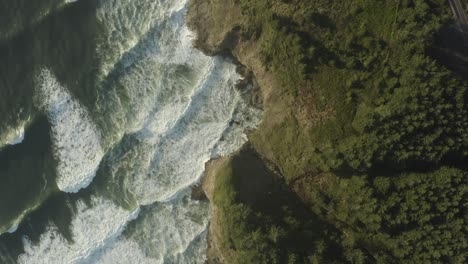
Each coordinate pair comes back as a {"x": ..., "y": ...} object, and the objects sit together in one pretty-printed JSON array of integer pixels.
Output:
[{"x": 108, "y": 116}]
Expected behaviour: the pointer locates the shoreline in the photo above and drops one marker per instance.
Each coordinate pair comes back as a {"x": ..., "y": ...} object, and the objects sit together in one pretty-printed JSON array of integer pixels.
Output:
[
  {"x": 205, "y": 188},
  {"x": 221, "y": 36}
]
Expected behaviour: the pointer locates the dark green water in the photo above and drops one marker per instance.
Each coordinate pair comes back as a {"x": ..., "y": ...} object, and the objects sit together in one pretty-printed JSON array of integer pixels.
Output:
[
  {"x": 120, "y": 114},
  {"x": 34, "y": 35},
  {"x": 27, "y": 172},
  {"x": 64, "y": 41}
]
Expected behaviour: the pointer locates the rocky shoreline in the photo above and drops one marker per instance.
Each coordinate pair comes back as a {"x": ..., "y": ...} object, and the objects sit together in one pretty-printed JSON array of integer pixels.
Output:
[
  {"x": 224, "y": 43},
  {"x": 204, "y": 192},
  {"x": 214, "y": 254},
  {"x": 217, "y": 25}
]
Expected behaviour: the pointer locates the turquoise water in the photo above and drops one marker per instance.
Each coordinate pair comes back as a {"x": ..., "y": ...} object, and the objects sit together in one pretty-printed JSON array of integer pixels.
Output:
[{"x": 108, "y": 117}]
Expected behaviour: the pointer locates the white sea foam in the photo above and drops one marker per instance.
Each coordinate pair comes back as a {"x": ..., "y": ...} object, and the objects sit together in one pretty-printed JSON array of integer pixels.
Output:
[
  {"x": 13, "y": 229},
  {"x": 171, "y": 227},
  {"x": 15, "y": 135},
  {"x": 164, "y": 233},
  {"x": 127, "y": 21},
  {"x": 92, "y": 229},
  {"x": 178, "y": 119},
  {"x": 18, "y": 136},
  {"x": 123, "y": 251},
  {"x": 157, "y": 94},
  {"x": 167, "y": 159},
  {"x": 75, "y": 138},
  {"x": 245, "y": 118},
  {"x": 12, "y": 137},
  {"x": 160, "y": 67},
  {"x": 171, "y": 232},
  {"x": 180, "y": 154},
  {"x": 178, "y": 107}
]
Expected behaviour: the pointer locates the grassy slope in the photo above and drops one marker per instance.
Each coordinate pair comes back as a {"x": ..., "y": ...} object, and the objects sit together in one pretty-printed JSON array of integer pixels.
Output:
[{"x": 360, "y": 122}]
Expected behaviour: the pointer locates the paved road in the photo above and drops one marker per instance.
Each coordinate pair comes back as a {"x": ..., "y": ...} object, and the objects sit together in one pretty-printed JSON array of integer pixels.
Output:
[
  {"x": 461, "y": 18},
  {"x": 459, "y": 12}
]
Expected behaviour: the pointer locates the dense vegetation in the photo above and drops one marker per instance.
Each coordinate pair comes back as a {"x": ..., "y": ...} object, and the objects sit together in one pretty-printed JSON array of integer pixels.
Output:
[
  {"x": 409, "y": 218},
  {"x": 288, "y": 231},
  {"x": 377, "y": 144}
]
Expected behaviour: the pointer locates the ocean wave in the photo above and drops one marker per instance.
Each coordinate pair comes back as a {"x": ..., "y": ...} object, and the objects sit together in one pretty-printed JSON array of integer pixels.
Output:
[
  {"x": 75, "y": 138},
  {"x": 13, "y": 226},
  {"x": 169, "y": 109},
  {"x": 15, "y": 134},
  {"x": 12, "y": 137},
  {"x": 179, "y": 157},
  {"x": 92, "y": 227},
  {"x": 179, "y": 103},
  {"x": 13, "y": 23},
  {"x": 164, "y": 233},
  {"x": 126, "y": 22}
]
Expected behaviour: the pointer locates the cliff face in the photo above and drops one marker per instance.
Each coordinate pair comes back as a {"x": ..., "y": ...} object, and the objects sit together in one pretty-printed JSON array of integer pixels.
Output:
[
  {"x": 213, "y": 21},
  {"x": 214, "y": 252},
  {"x": 217, "y": 25}
]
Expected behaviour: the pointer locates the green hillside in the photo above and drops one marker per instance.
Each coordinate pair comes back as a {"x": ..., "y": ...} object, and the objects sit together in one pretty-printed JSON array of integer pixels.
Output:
[{"x": 362, "y": 125}]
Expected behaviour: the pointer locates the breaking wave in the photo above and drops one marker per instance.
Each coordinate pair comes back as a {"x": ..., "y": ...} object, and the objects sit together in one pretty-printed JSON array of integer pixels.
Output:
[
  {"x": 164, "y": 233},
  {"x": 92, "y": 228},
  {"x": 164, "y": 109},
  {"x": 75, "y": 138}
]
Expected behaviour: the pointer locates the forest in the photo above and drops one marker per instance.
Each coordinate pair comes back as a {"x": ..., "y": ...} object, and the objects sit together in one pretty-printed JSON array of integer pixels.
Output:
[{"x": 371, "y": 164}]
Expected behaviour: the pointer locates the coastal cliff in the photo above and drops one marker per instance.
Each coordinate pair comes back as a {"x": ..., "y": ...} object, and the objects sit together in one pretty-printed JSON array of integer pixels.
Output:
[
  {"x": 217, "y": 26},
  {"x": 219, "y": 31},
  {"x": 364, "y": 141}
]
